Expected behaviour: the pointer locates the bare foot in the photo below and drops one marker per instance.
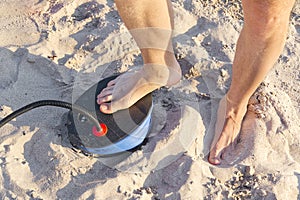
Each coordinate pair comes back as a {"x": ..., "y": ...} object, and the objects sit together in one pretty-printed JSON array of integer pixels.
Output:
[
  {"x": 128, "y": 88},
  {"x": 229, "y": 119}
]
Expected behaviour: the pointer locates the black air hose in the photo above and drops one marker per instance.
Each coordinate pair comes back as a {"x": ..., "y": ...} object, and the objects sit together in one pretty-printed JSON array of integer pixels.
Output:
[{"x": 55, "y": 103}]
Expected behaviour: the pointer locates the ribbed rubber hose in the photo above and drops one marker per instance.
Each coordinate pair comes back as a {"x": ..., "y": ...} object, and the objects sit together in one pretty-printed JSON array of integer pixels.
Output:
[{"x": 54, "y": 103}]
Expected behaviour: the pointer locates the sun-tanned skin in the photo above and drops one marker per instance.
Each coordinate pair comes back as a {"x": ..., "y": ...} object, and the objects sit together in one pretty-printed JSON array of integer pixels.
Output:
[
  {"x": 160, "y": 65},
  {"x": 259, "y": 46}
]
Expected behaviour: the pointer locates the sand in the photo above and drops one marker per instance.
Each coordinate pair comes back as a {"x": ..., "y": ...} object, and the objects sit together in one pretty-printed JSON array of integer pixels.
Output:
[{"x": 57, "y": 49}]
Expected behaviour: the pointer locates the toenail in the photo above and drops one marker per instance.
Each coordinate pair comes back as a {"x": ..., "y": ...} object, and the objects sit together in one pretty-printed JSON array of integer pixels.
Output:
[
  {"x": 103, "y": 107},
  {"x": 216, "y": 161}
]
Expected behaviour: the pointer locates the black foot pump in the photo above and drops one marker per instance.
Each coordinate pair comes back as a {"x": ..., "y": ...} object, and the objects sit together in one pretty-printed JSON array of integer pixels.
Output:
[{"x": 93, "y": 132}]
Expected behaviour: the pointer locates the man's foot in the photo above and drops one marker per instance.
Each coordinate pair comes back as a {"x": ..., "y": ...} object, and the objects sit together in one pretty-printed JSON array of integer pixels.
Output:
[
  {"x": 129, "y": 87},
  {"x": 229, "y": 119}
]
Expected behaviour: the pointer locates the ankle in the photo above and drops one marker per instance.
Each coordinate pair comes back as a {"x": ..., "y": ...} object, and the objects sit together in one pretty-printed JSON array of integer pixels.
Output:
[
  {"x": 161, "y": 74},
  {"x": 236, "y": 109},
  {"x": 236, "y": 99},
  {"x": 157, "y": 56}
]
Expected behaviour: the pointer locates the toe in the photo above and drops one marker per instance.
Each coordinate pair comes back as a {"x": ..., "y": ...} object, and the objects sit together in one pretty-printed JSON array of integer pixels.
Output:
[
  {"x": 214, "y": 158},
  {"x": 216, "y": 152},
  {"x": 111, "y": 83},
  {"x": 105, "y": 92},
  {"x": 104, "y": 99},
  {"x": 106, "y": 108},
  {"x": 214, "y": 161}
]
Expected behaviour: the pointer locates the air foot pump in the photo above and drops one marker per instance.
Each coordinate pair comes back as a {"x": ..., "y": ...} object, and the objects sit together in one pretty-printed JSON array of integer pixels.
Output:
[{"x": 95, "y": 133}]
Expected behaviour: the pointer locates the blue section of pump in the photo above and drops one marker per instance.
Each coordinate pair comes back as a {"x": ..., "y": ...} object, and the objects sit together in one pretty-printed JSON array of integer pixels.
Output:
[{"x": 131, "y": 141}]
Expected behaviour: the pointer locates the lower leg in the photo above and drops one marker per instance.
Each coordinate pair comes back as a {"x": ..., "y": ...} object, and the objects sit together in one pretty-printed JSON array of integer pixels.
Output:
[
  {"x": 142, "y": 18},
  {"x": 150, "y": 22},
  {"x": 259, "y": 46}
]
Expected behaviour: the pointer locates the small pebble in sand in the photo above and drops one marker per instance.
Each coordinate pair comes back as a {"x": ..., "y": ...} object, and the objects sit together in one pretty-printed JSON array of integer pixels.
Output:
[
  {"x": 258, "y": 177},
  {"x": 262, "y": 98},
  {"x": 255, "y": 185},
  {"x": 261, "y": 116},
  {"x": 262, "y": 192},
  {"x": 13, "y": 195},
  {"x": 223, "y": 72},
  {"x": 153, "y": 189},
  {"x": 258, "y": 109},
  {"x": 249, "y": 171},
  {"x": 82, "y": 170},
  {"x": 207, "y": 43},
  {"x": 120, "y": 189},
  {"x": 148, "y": 190},
  {"x": 138, "y": 191},
  {"x": 33, "y": 194},
  {"x": 30, "y": 59},
  {"x": 273, "y": 178},
  {"x": 179, "y": 56},
  {"x": 74, "y": 173},
  {"x": 53, "y": 55}
]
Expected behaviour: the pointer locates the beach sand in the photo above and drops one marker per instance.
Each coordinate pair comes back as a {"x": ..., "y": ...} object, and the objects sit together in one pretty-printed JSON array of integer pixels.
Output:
[{"x": 58, "y": 49}]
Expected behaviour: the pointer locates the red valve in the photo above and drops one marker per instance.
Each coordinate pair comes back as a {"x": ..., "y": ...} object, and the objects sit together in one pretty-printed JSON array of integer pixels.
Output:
[{"x": 100, "y": 133}]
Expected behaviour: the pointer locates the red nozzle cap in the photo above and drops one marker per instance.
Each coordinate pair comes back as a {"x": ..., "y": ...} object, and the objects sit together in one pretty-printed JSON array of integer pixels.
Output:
[{"x": 100, "y": 133}]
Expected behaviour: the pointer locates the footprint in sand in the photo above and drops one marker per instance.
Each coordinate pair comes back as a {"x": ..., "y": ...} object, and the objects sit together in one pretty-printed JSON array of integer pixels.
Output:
[
  {"x": 269, "y": 135},
  {"x": 16, "y": 26}
]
